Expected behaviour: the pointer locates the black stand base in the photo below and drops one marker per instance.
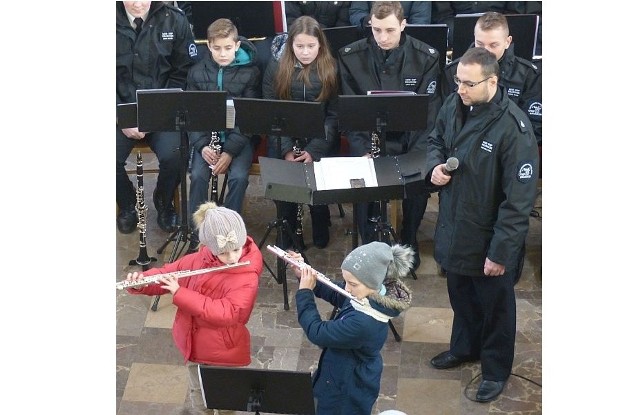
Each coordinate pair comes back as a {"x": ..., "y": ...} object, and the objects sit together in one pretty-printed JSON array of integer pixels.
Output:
[
  {"x": 281, "y": 275},
  {"x": 182, "y": 237}
]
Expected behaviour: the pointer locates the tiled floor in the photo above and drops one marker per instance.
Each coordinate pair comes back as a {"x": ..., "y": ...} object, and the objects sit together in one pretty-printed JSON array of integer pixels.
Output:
[{"x": 151, "y": 378}]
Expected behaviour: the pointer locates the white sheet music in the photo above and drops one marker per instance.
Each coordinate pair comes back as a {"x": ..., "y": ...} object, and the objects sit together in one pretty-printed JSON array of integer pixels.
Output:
[
  {"x": 337, "y": 172},
  {"x": 231, "y": 114}
]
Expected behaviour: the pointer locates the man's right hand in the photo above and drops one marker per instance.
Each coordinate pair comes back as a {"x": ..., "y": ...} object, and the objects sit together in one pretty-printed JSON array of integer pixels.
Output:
[{"x": 133, "y": 133}]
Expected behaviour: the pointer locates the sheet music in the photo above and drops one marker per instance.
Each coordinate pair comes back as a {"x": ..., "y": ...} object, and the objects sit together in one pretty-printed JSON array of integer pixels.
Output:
[
  {"x": 337, "y": 172},
  {"x": 231, "y": 114}
]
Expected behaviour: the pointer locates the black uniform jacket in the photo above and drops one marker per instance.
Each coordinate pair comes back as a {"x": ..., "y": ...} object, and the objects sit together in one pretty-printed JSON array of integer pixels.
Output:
[
  {"x": 521, "y": 78},
  {"x": 484, "y": 209},
  {"x": 240, "y": 79},
  {"x": 159, "y": 57},
  {"x": 412, "y": 66}
]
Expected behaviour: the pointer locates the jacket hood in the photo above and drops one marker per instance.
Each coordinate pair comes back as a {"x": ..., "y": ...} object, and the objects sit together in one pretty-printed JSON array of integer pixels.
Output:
[
  {"x": 398, "y": 296},
  {"x": 246, "y": 54}
]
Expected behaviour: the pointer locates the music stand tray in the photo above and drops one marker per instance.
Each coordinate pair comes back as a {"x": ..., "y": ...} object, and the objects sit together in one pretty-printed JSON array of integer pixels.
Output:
[
  {"x": 397, "y": 177},
  {"x": 259, "y": 390}
]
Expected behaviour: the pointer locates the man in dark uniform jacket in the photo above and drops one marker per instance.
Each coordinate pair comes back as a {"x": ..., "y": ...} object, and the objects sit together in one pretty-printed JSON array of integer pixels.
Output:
[
  {"x": 483, "y": 217},
  {"x": 521, "y": 78},
  {"x": 391, "y": 60},
  {"x": 154, "y": 49}
]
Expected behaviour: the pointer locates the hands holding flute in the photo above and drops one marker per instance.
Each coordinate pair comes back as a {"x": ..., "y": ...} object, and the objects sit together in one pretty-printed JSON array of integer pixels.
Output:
[
  {"x": 305, "y": 274},
  {"x": 170, "y": 281}
]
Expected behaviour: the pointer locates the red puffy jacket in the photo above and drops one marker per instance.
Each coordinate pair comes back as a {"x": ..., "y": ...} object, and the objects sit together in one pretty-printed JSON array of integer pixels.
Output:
[{"x": 213, "y": 308}]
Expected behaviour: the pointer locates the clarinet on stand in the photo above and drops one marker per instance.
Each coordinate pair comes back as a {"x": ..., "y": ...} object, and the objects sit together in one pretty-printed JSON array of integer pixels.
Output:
[
  {"x": 297, "y": 151},
  {"x": 216, "y": 147},
  {"x": 141, "y": 208}
]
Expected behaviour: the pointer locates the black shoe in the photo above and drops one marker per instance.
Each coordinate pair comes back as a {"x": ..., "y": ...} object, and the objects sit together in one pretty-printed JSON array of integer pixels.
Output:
[
  {"x": 416, "y": 257},
  {"x": 446, "y": 360},
  {"x": 489, "y": 390},
  {"x": 127, "y": 220},
  {"x": 167, "y": 216}
]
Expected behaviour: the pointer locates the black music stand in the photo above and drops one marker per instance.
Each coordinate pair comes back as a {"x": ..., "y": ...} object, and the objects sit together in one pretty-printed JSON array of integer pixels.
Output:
[
  {"x": 396, "y": 177},
  {"x": 184, "y": 111},
  {"x": 278, "y": 118},
  {"x": 246, "y": 389},
  {"x": 382, "y": 113},
  {"x": 432, "y": 34},
  {"x": 522, "y": 27}
]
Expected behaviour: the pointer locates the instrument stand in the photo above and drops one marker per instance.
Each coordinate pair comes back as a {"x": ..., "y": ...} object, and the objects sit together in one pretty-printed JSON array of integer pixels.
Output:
[
  {"x": 182, "y": 235},
  {"x": 278, "y": 118},
  {"x": 176, "y": 110}
]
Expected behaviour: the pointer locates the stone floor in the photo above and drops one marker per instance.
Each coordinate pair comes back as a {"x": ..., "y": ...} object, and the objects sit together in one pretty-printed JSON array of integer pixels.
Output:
[{"x": 151, "y": 377}]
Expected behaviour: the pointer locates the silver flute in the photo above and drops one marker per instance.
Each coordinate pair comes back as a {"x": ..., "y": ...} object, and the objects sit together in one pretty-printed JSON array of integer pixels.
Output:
[
  {"x": 121, "y": 285},
  {"x": 319, "y": 277}
]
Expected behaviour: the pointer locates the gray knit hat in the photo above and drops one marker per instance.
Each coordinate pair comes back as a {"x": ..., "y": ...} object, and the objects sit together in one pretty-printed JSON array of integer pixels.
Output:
[
  {"x": 220, "y": 229},
  {"x": 376, "y": 261},
  {"x": 369, "y": 263}
]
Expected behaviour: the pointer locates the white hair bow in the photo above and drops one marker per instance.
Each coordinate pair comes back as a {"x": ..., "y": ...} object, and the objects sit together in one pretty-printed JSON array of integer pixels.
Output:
[{"x": 222, "y": 240}]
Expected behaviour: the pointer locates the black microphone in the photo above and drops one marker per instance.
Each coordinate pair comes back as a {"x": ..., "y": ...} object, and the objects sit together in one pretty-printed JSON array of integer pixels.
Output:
[{"x": 451, "y": 165}]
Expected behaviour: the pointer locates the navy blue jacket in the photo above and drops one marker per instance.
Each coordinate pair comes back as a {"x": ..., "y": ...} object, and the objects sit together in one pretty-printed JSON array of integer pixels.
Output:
[{"x": 347, "y": 381}]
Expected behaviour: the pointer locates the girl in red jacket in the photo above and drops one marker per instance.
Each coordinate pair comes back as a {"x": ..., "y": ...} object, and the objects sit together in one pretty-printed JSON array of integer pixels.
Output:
[{"x": 214, "y": 307}]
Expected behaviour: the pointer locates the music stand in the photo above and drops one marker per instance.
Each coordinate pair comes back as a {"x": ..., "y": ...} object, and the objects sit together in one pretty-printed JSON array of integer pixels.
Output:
[
  {"x": 522, "y": 27},
  {"x": 278, "y": 118},
  {"x": 176, "y": 110},
  {"x": 433, "y": 35},
  {"x": 382, "y": 113},
  {"x": 341, "y": 36},
  {"x": 259, "y": 390}
]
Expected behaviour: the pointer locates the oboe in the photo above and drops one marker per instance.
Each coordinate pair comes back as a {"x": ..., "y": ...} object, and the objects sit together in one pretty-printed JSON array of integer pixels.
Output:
[
  {"x": 319, "y": 277},
  {"x": 216, "y": 147},
  {"x": 141, "y": 209},
  {"x": 178, "y": 274},
  {"x": 297, "y": 151}
]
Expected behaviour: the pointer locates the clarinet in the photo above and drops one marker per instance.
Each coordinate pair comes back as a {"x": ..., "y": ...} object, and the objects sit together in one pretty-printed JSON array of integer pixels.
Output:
[
  {"x": 375, "y": 145},
  {"x": 141, "y": 209},
  {"x": 297, "y": 151},
  {"x": 319, "y": 277},
  {"x": 216, "y": 147}
]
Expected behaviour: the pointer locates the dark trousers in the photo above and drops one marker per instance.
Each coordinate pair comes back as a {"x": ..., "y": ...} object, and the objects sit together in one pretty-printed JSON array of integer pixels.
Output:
[
  {"x": 320, "y": 217},
  {"x": 413, "y": 209},
  {"x": 166, "y": 146},
  {"x": 484, "y": 321}
]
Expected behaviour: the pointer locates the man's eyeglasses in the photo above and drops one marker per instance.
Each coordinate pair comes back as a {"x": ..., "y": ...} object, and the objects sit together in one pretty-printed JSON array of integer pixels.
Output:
[{"x": 468, "y": 84}]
